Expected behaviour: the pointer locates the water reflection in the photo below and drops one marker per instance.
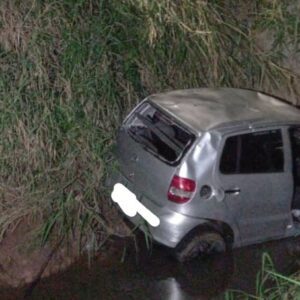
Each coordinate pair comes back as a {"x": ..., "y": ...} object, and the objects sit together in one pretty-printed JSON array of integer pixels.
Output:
[
  {"x": 206, "y": 278},
  {"x": 200, "y": 279},
  {"x": 157, "y": 276},
  {"x": 171, "y": 289}
]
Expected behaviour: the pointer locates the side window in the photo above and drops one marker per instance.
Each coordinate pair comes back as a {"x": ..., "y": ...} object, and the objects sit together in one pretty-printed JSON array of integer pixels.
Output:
[
  {"x": 295, "y": 142},
  {"x": 259, "y": 152},
  {"x": 229, "y": 156}
]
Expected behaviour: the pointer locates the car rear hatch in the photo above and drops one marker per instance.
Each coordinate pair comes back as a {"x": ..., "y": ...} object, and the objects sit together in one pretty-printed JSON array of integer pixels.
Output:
[{"x": 150, "y": 146}]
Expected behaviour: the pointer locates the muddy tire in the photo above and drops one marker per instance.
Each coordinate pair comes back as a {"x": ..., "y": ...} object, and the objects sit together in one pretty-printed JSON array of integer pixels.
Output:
[{"x": 201, "y": 243}]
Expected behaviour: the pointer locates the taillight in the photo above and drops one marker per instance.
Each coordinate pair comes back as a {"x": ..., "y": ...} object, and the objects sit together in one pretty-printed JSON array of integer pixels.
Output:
[{"x": 181, "y": 189}]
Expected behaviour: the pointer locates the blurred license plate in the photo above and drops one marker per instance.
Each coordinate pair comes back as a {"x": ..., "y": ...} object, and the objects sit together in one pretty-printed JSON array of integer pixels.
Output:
[{"x": 130, "y": 205}]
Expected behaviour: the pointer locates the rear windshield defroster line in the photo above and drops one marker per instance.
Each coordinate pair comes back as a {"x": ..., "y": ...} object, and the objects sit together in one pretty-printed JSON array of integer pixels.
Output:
[{"x": 158, "y": 133}]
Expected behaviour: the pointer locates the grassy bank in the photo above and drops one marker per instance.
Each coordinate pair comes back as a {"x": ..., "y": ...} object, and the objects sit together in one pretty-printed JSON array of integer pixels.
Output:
[
  {"x": 270, "y": 284},
  {"x": 70, "y": 70}
]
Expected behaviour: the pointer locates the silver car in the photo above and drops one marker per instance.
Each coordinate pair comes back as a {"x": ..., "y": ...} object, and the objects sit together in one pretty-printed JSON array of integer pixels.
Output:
[{"x": 210, "y": 169}]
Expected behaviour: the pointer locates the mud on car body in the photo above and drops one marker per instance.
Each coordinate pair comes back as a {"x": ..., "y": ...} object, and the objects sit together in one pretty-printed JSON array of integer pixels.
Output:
[{"x": 210, "y": 169}]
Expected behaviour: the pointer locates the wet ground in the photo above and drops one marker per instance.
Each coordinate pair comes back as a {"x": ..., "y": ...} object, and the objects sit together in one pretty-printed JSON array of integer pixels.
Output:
[{"x": 127, "y": 274}]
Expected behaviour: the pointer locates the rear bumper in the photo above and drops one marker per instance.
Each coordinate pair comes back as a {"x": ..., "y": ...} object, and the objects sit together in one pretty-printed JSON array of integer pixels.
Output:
[{"x": 172, "y": 226}]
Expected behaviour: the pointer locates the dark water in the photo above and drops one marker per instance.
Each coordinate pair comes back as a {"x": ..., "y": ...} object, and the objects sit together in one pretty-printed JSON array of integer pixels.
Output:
[{"x": 157, "y": 276}]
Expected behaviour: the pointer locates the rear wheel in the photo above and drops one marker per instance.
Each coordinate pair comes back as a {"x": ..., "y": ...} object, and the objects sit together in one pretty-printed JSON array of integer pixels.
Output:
[{"x": 202, "y": 243}]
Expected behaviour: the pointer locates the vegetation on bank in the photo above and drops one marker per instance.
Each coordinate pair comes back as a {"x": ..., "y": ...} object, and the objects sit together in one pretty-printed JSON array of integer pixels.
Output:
[
  {"x": 270, "y": 285},
  {"x": 70, "y": 70}
]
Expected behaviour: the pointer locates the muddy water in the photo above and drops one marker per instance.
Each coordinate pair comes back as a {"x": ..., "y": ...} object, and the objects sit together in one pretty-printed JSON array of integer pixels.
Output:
[{"x": 155, "y": 275}]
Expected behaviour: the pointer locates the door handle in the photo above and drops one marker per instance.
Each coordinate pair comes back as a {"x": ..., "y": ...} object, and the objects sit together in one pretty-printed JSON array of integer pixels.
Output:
[{"x": 234, "y": 191}]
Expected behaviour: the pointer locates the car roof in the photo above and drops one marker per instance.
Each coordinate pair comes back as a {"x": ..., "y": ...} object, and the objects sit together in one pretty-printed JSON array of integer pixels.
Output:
[{"x": 205, "y": 109}]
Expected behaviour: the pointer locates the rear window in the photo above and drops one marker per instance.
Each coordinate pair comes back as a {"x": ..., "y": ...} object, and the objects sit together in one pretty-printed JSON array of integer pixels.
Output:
[{"x": 158, "y": 133}]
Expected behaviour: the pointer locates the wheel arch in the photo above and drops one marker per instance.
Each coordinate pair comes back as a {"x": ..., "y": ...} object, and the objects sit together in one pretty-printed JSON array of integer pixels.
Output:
[{"x": 221, "y": 227}]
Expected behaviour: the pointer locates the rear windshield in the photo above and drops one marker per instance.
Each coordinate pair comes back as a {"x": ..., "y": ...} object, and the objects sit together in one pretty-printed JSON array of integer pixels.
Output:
[{"x": 158, "y": 133}]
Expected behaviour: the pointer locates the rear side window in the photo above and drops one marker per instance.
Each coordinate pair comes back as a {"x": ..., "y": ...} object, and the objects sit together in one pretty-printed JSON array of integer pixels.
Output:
[
  {"x": 158, "y": 133},
  {"x": 259, "y": 152}
]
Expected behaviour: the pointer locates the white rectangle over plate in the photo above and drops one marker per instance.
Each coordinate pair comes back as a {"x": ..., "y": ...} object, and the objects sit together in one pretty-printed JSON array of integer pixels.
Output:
[{"x": 131, "y": 206}]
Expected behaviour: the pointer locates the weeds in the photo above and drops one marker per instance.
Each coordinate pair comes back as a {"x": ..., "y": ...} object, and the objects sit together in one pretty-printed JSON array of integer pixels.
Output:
[
  {"x": 71, "y": 70},
  {"x": 270, "y": 285}
]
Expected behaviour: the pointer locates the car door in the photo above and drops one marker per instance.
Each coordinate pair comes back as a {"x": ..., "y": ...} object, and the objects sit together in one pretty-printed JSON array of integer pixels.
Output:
[{"x": 257, "y": 185}]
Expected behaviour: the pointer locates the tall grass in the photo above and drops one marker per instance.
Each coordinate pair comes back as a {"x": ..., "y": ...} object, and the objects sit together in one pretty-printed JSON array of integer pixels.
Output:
[
  {"x": 70, "y": 70},
  {"x": 270, "y": 284}
]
